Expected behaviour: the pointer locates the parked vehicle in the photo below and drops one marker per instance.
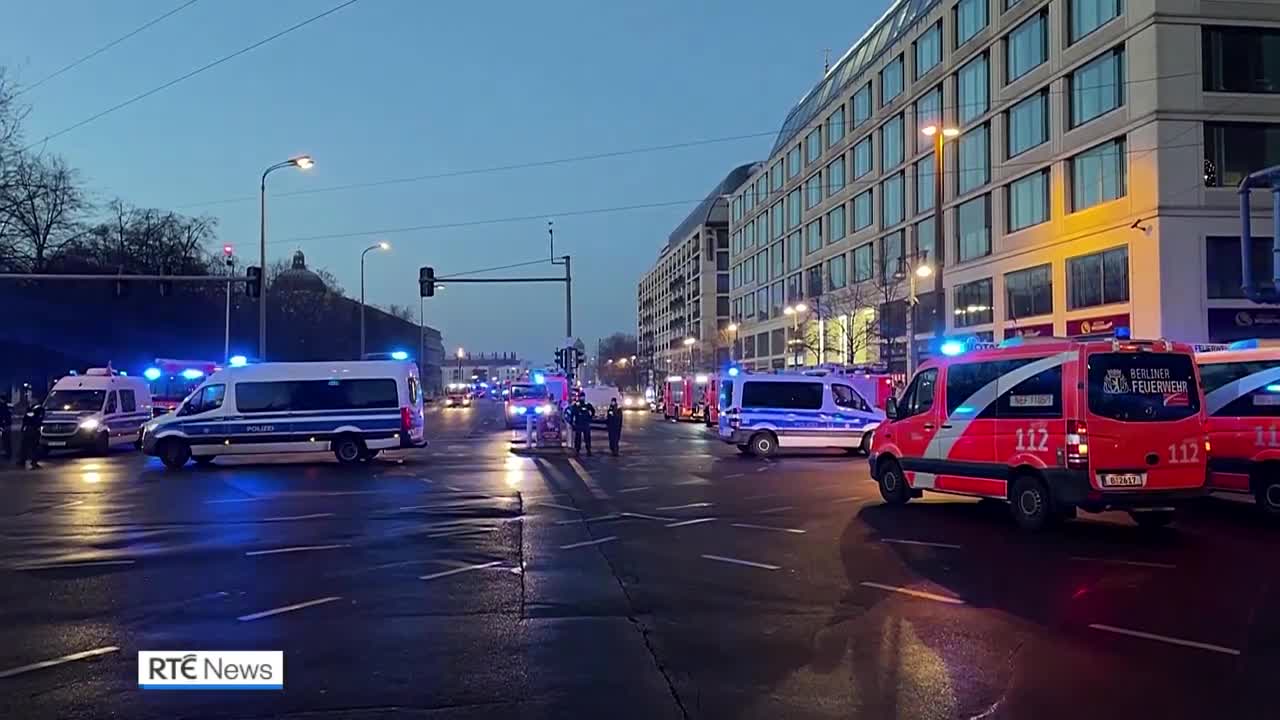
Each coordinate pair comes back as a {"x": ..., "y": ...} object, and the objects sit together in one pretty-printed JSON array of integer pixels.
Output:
[
  {"x": 762, "y": 413},
  {"x": 1242, "y": 402},
  {"x": 95, "y": 411},
  {"x": 457, "y": 395},
  {"x": 171, "y": 381},
  {"x": 599, "y": 396},
  {"x": 546, "y": 394}
]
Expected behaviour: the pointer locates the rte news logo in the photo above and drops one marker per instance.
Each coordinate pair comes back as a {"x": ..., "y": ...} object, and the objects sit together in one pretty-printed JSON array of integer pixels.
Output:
[{"x": 211, "y": 670}]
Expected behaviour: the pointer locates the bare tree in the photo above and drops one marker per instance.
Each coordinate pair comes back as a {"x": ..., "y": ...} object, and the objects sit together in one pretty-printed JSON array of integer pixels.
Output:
[
  {"x": 403, "y": 312},
  {"x": 42, "y": 204},
  {"x": 617, "y": 367},
  {"x": 859, "y": 323}
]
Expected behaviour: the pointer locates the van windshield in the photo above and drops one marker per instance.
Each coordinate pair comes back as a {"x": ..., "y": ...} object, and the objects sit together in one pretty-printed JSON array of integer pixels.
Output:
[
  {"x": 527, "y": 392},
  {"x": 1142, "y": 387},
  {"x": 75, "y": 400}
]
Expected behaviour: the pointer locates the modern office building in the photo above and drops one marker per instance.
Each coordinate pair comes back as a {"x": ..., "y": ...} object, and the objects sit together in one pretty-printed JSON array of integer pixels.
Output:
[
  {"x": 485, "y": 367},
  {"x": 682, "y": 302},
  {"x": 1089, "y": 178}
]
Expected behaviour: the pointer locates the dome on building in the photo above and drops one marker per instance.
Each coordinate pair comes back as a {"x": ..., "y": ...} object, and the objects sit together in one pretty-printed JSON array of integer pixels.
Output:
[{"x": 298, "y": 278}]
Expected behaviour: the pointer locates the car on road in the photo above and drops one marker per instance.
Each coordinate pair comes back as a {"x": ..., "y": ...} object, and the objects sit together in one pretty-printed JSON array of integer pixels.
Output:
[
  {"x": 1051, "y": 425},
  {"x": 95, "y": 411},
  {"x": 1242, "y": 402},
  {"x": 457, "y": 395},
  {"x": 354, "y": 409},
  {"x": 547, "y": 394},
  {"x": 761, "y": 414}
]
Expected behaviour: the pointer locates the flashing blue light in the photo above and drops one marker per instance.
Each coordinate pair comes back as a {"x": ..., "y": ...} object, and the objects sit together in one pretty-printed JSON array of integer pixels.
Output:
[
  {"x": 521, "y": 410},
  {"x": 1251, "y": 344},
  {"x": 151, "y": 373},
  {"x": 1122, "y": 333},
  {"x": 399, "y": 355},
  {"x": 951, "y": 348},
  {"x": 192, "y": 374},
  {"x": 964, "y": 410},
  {"x": 1273, "y": 388},
  {"x": 238, "y": 361},
  {"x": 124, "y": 373},
  {"x": 539, "y": 378},
  {"x": 733, "y": 372},
  {"x": 484, "y": 385}
]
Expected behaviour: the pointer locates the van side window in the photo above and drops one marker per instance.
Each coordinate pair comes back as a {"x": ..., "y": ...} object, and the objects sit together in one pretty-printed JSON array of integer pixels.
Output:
[
  {"x": 965, "y": 380},
  {"x": 127, "y": 401},
  {"x": 303, "y": 395},
  {"x": 784, "y": 395},
  {"x": 1263, "y": 402},
  {"x": 918, "y": 397},
  {"x": 846, "y": 397},
  {"x": 413, "y": 390},
  {"x": 111, "y": 403},
  {"x": 1039, "y": 396},
  {"x": 210, "y": 398}
]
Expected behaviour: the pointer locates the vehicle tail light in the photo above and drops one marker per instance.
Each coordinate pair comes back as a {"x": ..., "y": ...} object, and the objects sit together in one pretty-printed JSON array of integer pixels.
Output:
[
  {"x": 734, "y": 416},
  {"x": 406, "y": 418},
  {"x": 1077, "y": 444}
]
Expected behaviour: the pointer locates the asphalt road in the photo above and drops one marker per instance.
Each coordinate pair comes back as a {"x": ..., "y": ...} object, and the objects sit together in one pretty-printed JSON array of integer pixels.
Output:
[{"x": 678, "y": 580}]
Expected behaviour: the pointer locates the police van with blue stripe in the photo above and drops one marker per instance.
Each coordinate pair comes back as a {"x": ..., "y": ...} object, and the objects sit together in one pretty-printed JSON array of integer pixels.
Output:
[
  {"x": 762, "y": 413},
  {"x": 95, "y": 411},
  {"x": 354, "y": 409}
]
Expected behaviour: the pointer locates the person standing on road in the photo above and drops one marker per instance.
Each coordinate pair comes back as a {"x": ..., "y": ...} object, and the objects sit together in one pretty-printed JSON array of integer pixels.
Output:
[
  {"x": 30, "y": 450},
  {"x": 6, "y": 423},
  {"x": 581, "y": 413},
  {"x": 613, "y": 423}
]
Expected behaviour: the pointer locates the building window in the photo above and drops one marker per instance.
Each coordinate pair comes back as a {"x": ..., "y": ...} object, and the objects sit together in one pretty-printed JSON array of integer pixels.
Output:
[
  {"x": 862, "y": 157},
  {"x": 835, "y": 175},
  {"x": 928, "y": 112},
  {"x": 891, "y": 143},
  {"x": 972, "y": 86},
  {"x": 1028, "y": 123},
  {"x": 1097, "y": 87},
  {"x": 1098, "y": 175},
  {"x": 973, "y": 303},
  {"x": 1029, "y": 292},
  {"x": 891, "y": 201},
  {"x": 928, "y": 50},
  {"x": 775, "y": 300},
  {"x": 762, "y": 266},
  {"x": 973, "y": 157},
  {"x": 862, "y": 105},
  {"x": 836, "y": 272},
  {"x": 835, "y": 224},
  {"x": 795, "y": 288},
  {"x": 1241, "y": 59},
  {"x": 749, "y": 200},
  {"x": 1027, "y": 47},
  {"x": 813, "y": 236},
  {"x": 795, "y": 251},
  {"x": 737, "y": 276},
  {"x": 1029, "y": 200},
  {"x": 973, "y": 224},
  {"x": 924, "y": 184},
  {"x": 779, "y": 259},
  {"x": 793, "y": 209},
  {"x": 1089, "y": 15},
  {"x": 736, "y": 314},
  {"x": 926, "y": 248},
  {"x": 814, "y": 277},
  {"x": 862, "y": 215},
  {"x": 793, "y": 162},
  {"x": 1010, "y": 3},
  {"x": 776, "y": 219},
  {"x": 775, "y": 177},
  {"x": 971, "y": 18},
  {"x": 737, "y": 209},
  {"x": 1233, "y": 150},
  {"x": 835, "y": 126},
  {"x": 813, "y": 190},
  {"x": 762, "y": 194},
  {"x": 892, "y": 250},
  {"x": 749, "y": 272},
  {"x": 1098, "y": 279},
  {"x": 762, "y": 308},
  {"x": 813, "y": 146},
  {"x": 863, "y": 262},
  {"x": 1223, "y": 269},
  {"x": 737, "y": 241},
  {"x": 891, "y": 81},
  {"x": 750, "y": 237},
  {"x": 749, "y": 309}
]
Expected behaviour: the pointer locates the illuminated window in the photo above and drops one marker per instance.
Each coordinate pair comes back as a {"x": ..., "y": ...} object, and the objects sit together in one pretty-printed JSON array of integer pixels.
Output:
[{"x": 973, "y": 303}]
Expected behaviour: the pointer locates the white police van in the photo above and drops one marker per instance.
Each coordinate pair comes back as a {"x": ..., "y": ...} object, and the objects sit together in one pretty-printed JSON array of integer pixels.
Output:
[
  {"x": 95, "y": 411},
  {"x": 761, "y": 413},
  {"x": 355, "y": 409}
]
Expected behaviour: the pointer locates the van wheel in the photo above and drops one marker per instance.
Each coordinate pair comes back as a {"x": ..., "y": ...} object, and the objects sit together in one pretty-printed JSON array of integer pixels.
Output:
[
  {"x": 764, "y": 444},
  {"x": 1152, "y": 519},
  {"x": 893, "y": 484},
  {"x": 348, "y": 449},
  {"x": 102, "y": 444},
  {"x": 1267, "y": 491},
  {"x": 174, "y": 454},
  {"x": 1032, "y": 507},
  {"x": 204, "y": 459}
]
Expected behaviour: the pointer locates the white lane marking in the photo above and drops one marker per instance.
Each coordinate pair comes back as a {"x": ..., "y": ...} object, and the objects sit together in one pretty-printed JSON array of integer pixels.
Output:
[
  {"x": 784, "y": 508},
  {"x": 1166, "y": 638},
  {"x": 596, "y": 491},
  {"x": 299, "y": 548},
  {"x": 1136, "y": 563},
  {"x": 749, "y": 526},
  {"x": 59, "y": 660},
  {"x": 762, "y": 497},
  {"x": 735, "y": 561},
  {"x": 571, "y": 546},
  {"x": 288, "y": 608},
  {"x": 898, "y": 541},
  {"x": 642, "y": 516},
  {"x": 642, "y": 488},
  {"x": 694, "y": 521},
  {"x": 558, "y": 507},
  {"x": 90, "y": 563},
  {"x": 735, "y": 475},
  {"x": 762, "y": 469},
  {"x": 686, "y": 507},
  {"x": 454, "y": 488},
  {"x": 286, "y": 518},
  {"x": 238, "y": 500},
  {"x": 598, "y": 518},
  {"x": 915, "y": 593},
  {"x": 455, "y": 571},
  {"x": 65, "y": 505}
]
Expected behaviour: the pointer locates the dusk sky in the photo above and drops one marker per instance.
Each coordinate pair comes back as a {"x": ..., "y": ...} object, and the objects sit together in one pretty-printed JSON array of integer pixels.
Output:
[{"x": 388, "y": 89}]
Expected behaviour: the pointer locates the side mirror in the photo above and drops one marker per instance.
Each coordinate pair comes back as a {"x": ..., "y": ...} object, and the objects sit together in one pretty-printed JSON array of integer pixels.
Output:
[{"x": 891, "y": 409}]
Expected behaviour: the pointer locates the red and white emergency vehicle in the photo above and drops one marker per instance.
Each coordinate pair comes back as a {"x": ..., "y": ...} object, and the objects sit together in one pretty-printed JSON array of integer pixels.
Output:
[
  {"x": 687, "y": 397},
  {"x": 545, "y": 394},
  {"x": 1051, "y": 425},
  {"x": 1242, "y": 402},
  {"x": 172, "y": 380}
]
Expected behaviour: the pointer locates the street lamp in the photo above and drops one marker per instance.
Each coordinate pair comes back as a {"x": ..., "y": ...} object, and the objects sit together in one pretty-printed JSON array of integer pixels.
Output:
[
  {"x": 384, "y": 245},
  {"x": 733, "y": 343},
  {"x": 302, "y": 162},
  {"x": 794, "y": 312},
  {"x": 939, "y": 135},
  {"x": 689, "y": 343},
  {"x": 461, "y": 354},
  {"x": 922, "y": 269}
]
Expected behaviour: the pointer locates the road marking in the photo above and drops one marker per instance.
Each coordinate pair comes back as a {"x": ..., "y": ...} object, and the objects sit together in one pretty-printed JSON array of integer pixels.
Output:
[
  {"x": 90, "y": 563},
  {"x": 735, "y": 475},
  {"x": 762, "y": 469},
  {"x": 571, "y": 546},
  {"x": 762, "y": 497},
  {"x": 286, "y": 518},
  {"x": 642, "y": 516},
  {"x": 66, "y": 505},
  {"x": 848, "y": 499},
  {"x": 299, "y": 548},
  {"x": 694, "y": 521},
  {"x": 915, "y": 593},
  {"x": 642, "y": 488},
  {"x": 559, "y": 507},
  {"x": 1136, "y": 563},
  {"x": 598, "y": 518},
  {"x": 686, "y": 507},
  {"x": 59, "y": 661},
  {"x": 735, "y": 561},
  {"x": 238, "y": 500},
  {"x": 587, "y": 480},
  {"x": 455, "y": 571},
  {"x": 288, "y": 608},
  {"x": 784, "y": 508},
  {"x": 454, "y": 488},
  {"x": 897, "y": 541},
  {"x": 749, "y": 526},
  {"x": 1166, "y": 638}
]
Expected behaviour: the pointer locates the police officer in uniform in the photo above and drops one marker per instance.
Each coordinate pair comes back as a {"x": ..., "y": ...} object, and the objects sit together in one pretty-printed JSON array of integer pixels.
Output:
[
  {"x": 613, "y": 423},
  {"x": 30, "y": 450},
  {"x": 580, "y": 416}
]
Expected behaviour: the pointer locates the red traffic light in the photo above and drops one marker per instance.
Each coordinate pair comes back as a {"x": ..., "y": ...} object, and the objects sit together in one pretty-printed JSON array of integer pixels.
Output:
[{"x": 227, "y": 250}]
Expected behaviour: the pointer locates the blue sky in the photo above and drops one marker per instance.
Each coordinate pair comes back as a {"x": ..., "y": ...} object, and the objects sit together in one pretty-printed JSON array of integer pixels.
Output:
[{"x": 399, "y": 88}]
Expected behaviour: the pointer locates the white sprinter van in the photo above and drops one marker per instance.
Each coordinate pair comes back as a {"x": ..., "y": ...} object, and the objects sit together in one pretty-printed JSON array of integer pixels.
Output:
[
  {"x": 95, "y": 411},
  {"x": 761, "y": 413},
  {"x": 355, "y": 409}
]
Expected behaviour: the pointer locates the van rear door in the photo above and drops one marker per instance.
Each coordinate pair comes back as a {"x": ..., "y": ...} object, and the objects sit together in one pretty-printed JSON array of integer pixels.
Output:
[{"x": 1144, "y": 421}]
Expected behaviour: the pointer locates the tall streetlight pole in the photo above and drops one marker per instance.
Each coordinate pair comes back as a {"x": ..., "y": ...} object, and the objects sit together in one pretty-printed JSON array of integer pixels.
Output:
[
  {"x": 733, "y": 343},
  {"x": 461, "y": 354},
  {"x": 302, "y": 162},
  {"x": 384, "y": 245},
  {"x": 794, "y": 312},
  {"x": 922, "y": 270},
  {"x": 939, "y": 135},
  {"x": 689, "y": 343}
]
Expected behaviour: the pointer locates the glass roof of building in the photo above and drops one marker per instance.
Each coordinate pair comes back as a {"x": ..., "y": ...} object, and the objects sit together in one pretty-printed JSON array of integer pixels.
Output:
[{"x": 714, "y": 207}]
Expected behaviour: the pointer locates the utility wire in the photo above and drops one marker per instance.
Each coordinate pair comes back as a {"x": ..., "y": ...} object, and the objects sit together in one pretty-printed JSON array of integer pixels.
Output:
[
  {"x": 191, "y": 74},
  {"x": 446, "y": 278},
  {"x": 104, "y": 48}
]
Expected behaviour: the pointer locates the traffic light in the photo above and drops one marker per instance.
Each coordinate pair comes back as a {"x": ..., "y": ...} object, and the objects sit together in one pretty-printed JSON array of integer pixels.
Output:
[
  {"x": 560, "y": 359},
  {"x": 427, "y": 281},
  {"x": 253, "y": 285}
]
